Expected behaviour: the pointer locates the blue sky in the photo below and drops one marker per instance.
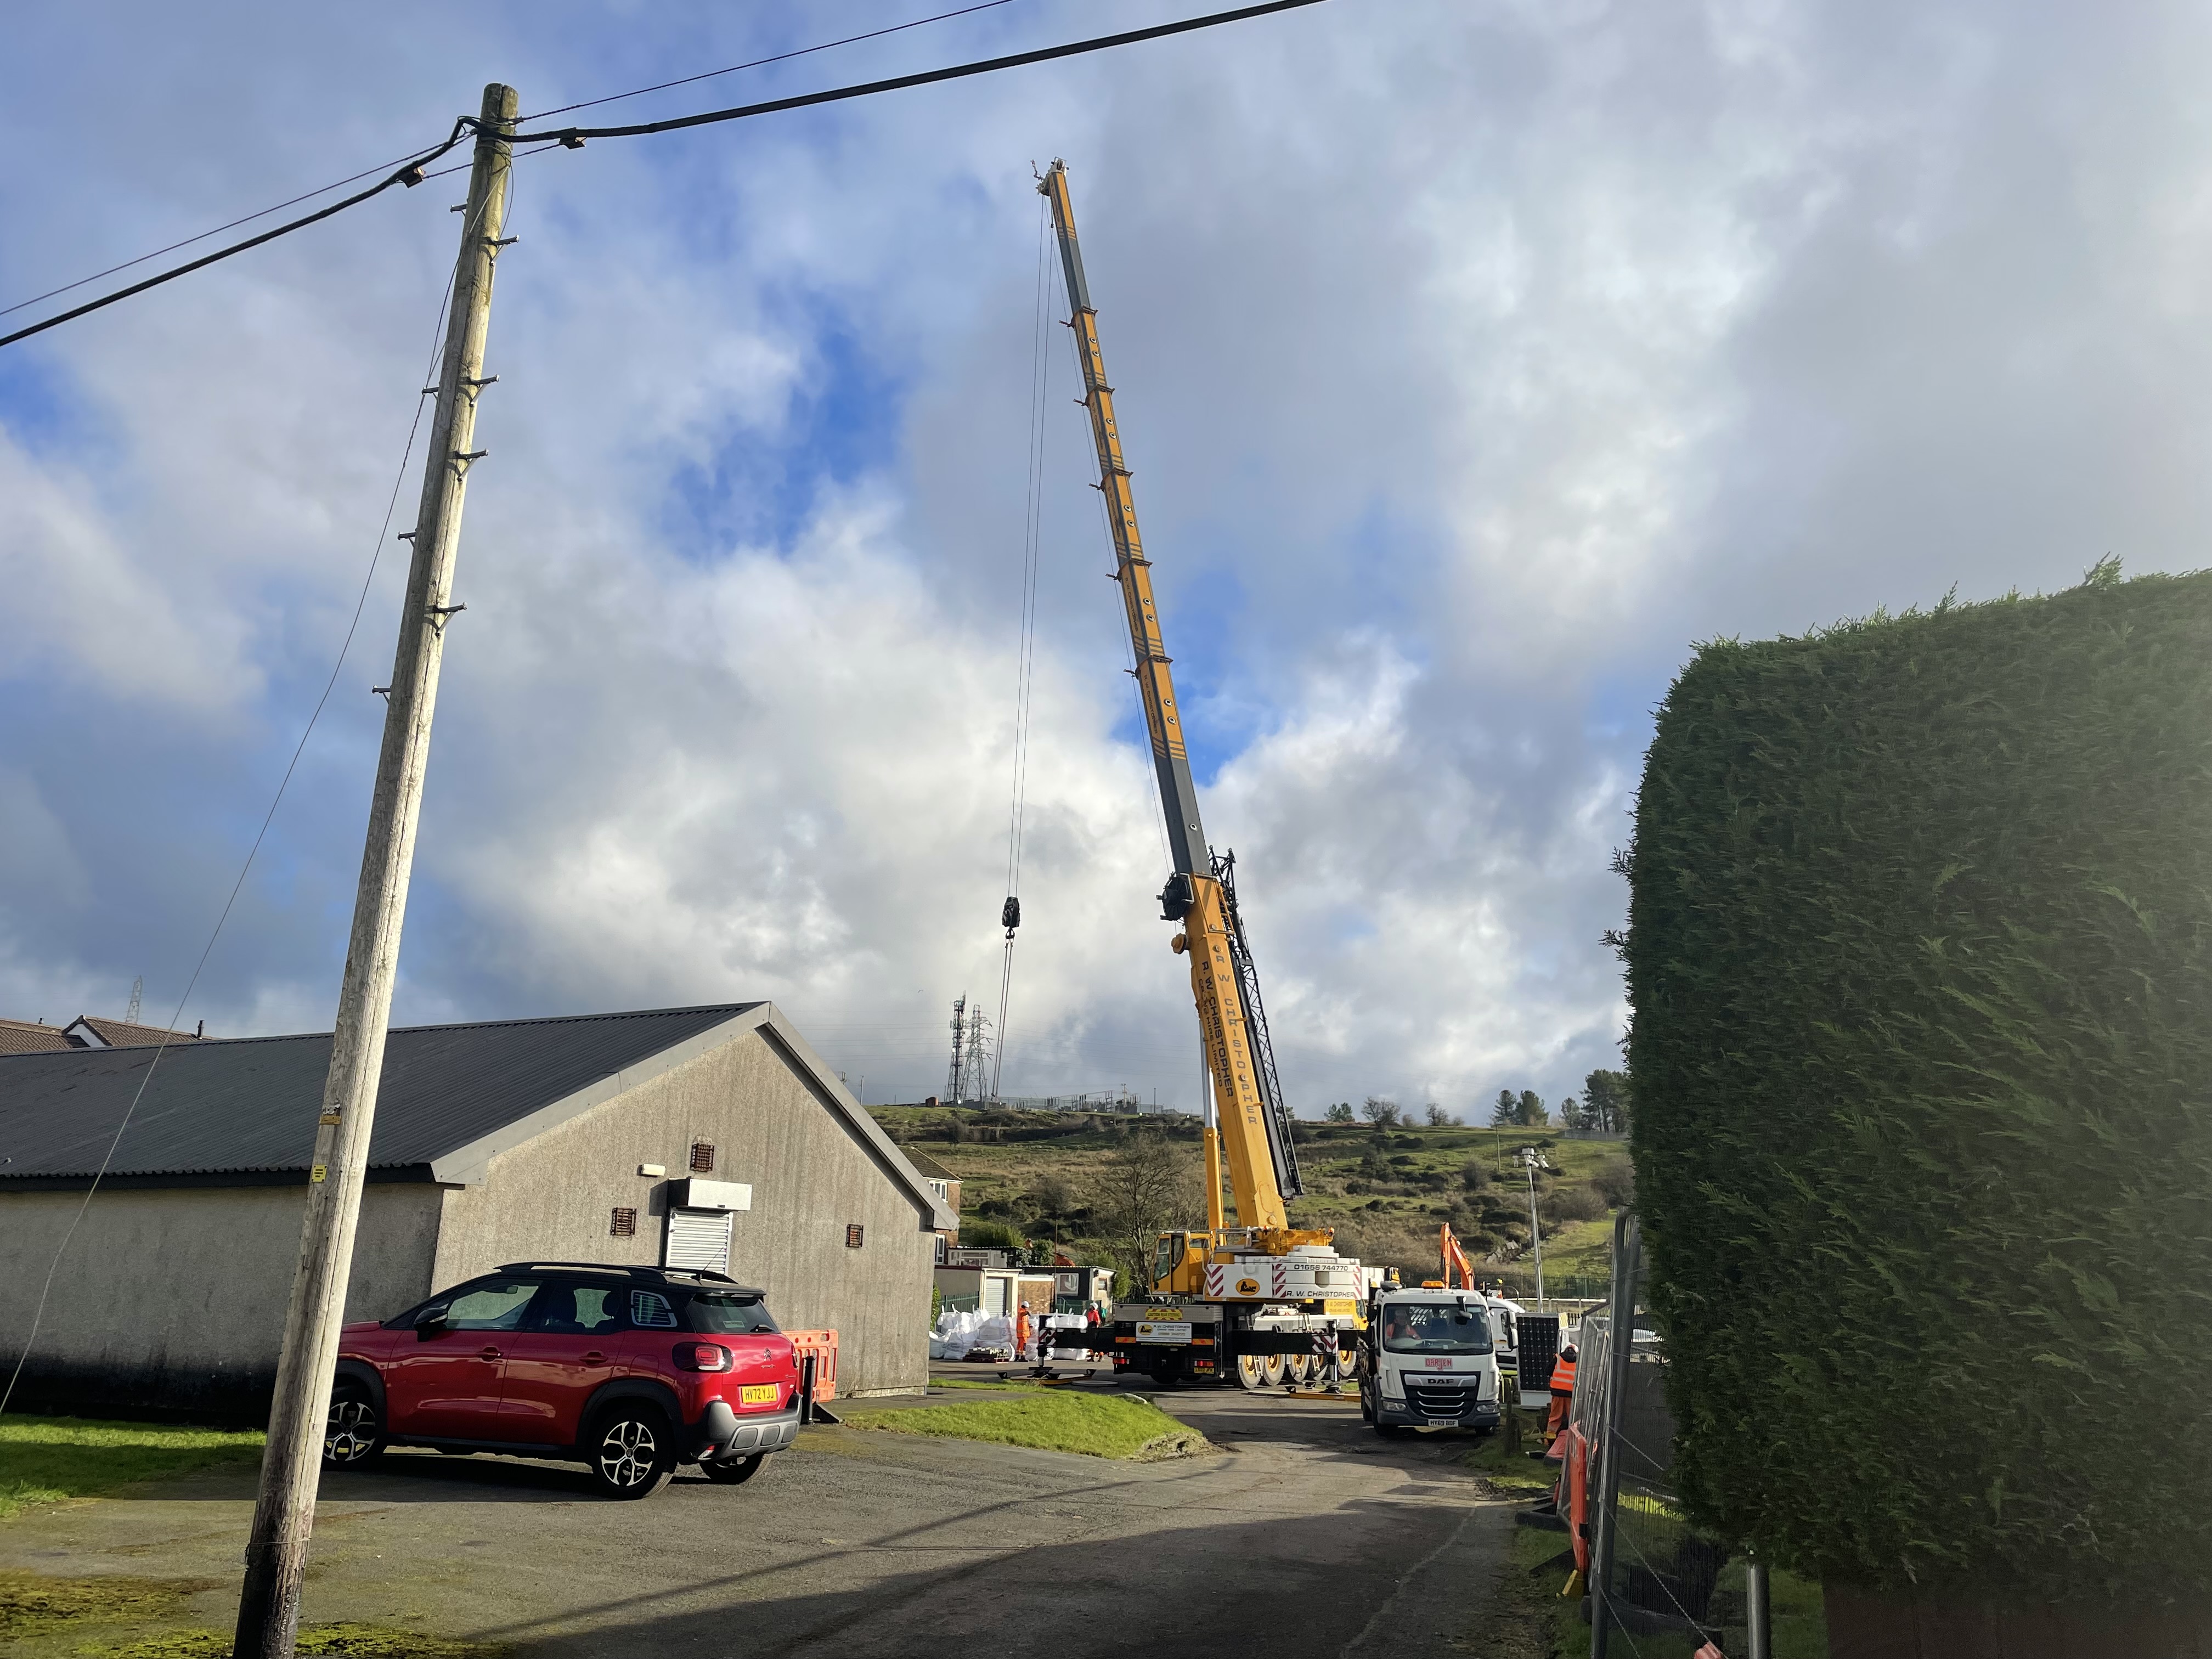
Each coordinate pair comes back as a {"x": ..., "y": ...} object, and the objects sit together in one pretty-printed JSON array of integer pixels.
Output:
[{"x": 1474, "y": 361}]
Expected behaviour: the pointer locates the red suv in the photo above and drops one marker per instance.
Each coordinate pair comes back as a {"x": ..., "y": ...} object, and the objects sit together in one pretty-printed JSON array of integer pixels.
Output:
[{"x": 631, "y": 1370}]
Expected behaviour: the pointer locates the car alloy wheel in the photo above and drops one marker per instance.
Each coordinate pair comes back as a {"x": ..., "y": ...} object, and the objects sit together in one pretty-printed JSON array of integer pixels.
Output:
[
  {"x": 634, "y": 1458},
  {"x": 351, "y": 1434}
]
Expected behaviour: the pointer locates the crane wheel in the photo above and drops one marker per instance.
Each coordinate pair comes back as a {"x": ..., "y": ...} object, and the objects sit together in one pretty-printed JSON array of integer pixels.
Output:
[
  {"x": 1298, "y": 1369},
  {"x": 1251, "y": 1370},
  {"x": 1276, "y": 1367}
]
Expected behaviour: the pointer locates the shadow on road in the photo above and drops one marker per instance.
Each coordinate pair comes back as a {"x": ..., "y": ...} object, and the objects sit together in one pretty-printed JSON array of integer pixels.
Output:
[{"x": 1372, "y": 1578}]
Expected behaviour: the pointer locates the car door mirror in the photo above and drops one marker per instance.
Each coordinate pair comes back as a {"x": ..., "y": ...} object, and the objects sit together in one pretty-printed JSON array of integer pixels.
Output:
[{"x": 430, "y": 1323}]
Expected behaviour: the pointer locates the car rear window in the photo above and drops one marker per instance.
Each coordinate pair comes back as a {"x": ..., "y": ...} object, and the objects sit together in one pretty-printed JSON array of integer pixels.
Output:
[{"x": 720, "y": 1314}]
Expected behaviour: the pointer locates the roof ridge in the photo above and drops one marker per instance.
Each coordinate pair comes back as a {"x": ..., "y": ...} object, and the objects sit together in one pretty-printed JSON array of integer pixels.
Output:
[{"x": 731, "y": 1009}]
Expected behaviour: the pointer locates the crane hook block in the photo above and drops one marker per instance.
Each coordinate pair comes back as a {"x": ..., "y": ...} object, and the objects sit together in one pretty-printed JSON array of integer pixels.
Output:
[
  {"x": 1179, "y": 944},
  {"x": 1177, "y": 898},
  {"x": 1011, "y": 917}
]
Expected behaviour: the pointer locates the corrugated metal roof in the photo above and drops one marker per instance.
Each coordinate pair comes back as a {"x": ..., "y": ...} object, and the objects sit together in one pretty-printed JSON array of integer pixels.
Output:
[{"x": 231, "y": 1106}]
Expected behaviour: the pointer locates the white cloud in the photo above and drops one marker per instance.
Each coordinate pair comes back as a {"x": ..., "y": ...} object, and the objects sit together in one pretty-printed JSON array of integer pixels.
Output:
[{"x": 1473, "y": 362}]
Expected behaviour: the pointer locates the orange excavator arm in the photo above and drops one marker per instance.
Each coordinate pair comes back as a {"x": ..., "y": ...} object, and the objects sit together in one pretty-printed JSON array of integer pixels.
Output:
[{"x": 1454, "y": 1256}]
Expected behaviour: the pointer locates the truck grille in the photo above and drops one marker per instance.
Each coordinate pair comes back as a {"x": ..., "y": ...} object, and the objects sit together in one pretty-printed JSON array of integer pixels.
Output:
[{"x": 1440, "y": 1399}]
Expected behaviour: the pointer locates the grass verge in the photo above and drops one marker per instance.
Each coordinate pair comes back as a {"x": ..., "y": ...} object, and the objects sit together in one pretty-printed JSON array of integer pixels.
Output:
[
  {"x": 1096, "y": 1425},
  {"x": 43, "y": 1460},
  {"x": 1513, "y": 1474}
]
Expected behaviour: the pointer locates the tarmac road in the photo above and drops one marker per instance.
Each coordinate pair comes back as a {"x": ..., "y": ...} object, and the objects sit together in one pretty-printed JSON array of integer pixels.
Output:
[{"x": 1304, "y": 1535}]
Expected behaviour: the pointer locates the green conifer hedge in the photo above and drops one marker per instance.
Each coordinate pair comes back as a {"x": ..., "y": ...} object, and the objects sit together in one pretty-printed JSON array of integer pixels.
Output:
[{"x": 1920, "y": 954}]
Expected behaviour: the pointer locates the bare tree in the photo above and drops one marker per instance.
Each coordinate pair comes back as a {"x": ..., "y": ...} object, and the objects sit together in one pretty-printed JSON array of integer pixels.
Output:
[
  {"x": 1438, "y": 1118},
  {"x": 1150, "y": 1185},
  {"x": 1380, "y": 1111}
]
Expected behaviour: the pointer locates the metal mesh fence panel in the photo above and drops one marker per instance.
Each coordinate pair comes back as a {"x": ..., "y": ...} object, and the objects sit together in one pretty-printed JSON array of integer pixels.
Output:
[{"x": 1663, "y": 1590}]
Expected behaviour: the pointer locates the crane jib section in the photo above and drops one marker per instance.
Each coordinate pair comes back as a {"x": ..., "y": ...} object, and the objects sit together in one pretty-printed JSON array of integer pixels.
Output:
[
  {"x": 1254, "y": 1122},
  {"x": 1155, "y": 684}
]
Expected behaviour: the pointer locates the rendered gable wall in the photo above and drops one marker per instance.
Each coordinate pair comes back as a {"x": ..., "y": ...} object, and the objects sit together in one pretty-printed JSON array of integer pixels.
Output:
[{"x": 553, "y": 1199}]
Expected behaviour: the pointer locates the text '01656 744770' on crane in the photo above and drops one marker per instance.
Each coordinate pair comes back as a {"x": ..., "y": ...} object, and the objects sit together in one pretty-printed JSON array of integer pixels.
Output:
[{"x": 1260, "y": 1302}]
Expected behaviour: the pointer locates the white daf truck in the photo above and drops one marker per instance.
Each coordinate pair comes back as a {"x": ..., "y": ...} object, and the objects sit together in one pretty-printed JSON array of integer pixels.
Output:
[{"x": 1428, "y": 1359}]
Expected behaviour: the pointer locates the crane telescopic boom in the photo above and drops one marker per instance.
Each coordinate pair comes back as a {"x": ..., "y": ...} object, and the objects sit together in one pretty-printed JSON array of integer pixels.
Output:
[{"x": 1201, "y": 893}]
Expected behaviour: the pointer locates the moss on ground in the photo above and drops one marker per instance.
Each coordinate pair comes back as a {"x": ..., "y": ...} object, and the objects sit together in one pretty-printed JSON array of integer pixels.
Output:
[
  {"x": 352, "y": 1641},
  {"x": 43, "y": 1460},
  {"x": 31, "y": 1605},
  {"x": 120, "y": 1618},
  {"x": 1095, "y": 1425}
]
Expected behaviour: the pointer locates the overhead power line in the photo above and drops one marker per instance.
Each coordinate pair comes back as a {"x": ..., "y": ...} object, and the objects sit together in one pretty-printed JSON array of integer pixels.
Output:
[
  {"x": 779, "y": 58},
  {"x": 304, "y": 196},
  {"x": 572, "y": 137},
  {"x": 386, "y": 166},
  {"x": 926, "y": 77},
  {"x": 410, "y": 174}
]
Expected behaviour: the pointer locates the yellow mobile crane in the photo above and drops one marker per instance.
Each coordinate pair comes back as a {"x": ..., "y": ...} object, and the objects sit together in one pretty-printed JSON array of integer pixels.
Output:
[{"x": 1256, "y": 1301}]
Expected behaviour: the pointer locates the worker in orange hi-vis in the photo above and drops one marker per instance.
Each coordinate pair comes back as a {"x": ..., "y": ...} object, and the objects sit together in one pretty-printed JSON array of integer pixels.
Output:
[
  {"x": 1563, "y": 1391},
  {"x": 1022, "y": 1331}
]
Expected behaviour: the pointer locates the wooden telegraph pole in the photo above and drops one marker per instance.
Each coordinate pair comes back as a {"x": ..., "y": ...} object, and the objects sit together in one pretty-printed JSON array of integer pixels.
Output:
[{"x": 269, "y": 1605}]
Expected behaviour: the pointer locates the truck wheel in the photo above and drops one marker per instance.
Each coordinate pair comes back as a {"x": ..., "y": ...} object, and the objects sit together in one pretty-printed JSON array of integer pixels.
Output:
[
  {"x": 1277, "y": 1364},
  {"x": 633, "y": 1450},
  {"x": 734, "y": 1472},
  {"x": 1251, "y": 1370}
]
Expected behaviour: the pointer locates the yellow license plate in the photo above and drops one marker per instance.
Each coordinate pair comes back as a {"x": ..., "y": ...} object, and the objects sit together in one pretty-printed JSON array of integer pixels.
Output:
[{"x": 760, "y": 1394}]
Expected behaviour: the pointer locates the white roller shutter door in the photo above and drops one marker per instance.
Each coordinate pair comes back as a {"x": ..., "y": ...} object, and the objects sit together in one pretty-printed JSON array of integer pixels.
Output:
[{"x": 698, "y": 1239}]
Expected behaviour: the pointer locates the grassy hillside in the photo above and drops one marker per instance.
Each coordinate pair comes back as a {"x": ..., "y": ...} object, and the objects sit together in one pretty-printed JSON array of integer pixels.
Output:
[{"x": 1384, "y": 1192}]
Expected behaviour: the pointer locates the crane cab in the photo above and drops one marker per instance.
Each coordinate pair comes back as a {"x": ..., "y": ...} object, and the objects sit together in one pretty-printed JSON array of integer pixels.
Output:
[{"x": 1179, "y": 1263}]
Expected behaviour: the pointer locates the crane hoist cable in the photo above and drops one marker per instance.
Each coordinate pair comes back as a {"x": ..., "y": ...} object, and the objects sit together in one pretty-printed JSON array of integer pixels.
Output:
[{"x": 1010, "y": 913}]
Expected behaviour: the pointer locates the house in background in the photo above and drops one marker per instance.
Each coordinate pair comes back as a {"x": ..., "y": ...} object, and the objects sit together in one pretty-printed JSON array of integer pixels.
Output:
[
  {"x": 691, "y": 1137},
  {"x": 946, "y": 1186},
  {"x": 31, "y": 1036}
]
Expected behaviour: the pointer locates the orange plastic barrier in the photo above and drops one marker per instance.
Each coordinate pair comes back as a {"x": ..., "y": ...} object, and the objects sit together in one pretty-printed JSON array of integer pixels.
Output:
[{"x": 822, "y": 1345}]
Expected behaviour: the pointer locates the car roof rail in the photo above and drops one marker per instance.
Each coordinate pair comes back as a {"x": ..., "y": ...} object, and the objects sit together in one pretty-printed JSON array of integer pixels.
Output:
[
  {"x": 658, "y": 1275},
  {"x": 580, "y": 1266}
]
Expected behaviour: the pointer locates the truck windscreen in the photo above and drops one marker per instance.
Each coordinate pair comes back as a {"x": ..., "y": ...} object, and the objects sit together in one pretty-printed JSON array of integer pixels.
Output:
[{"x": 1435, "y": 1327}]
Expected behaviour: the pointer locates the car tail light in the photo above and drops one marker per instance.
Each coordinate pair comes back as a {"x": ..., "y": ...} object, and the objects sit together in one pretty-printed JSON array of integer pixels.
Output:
[{"x": 701, "y": 1357}]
